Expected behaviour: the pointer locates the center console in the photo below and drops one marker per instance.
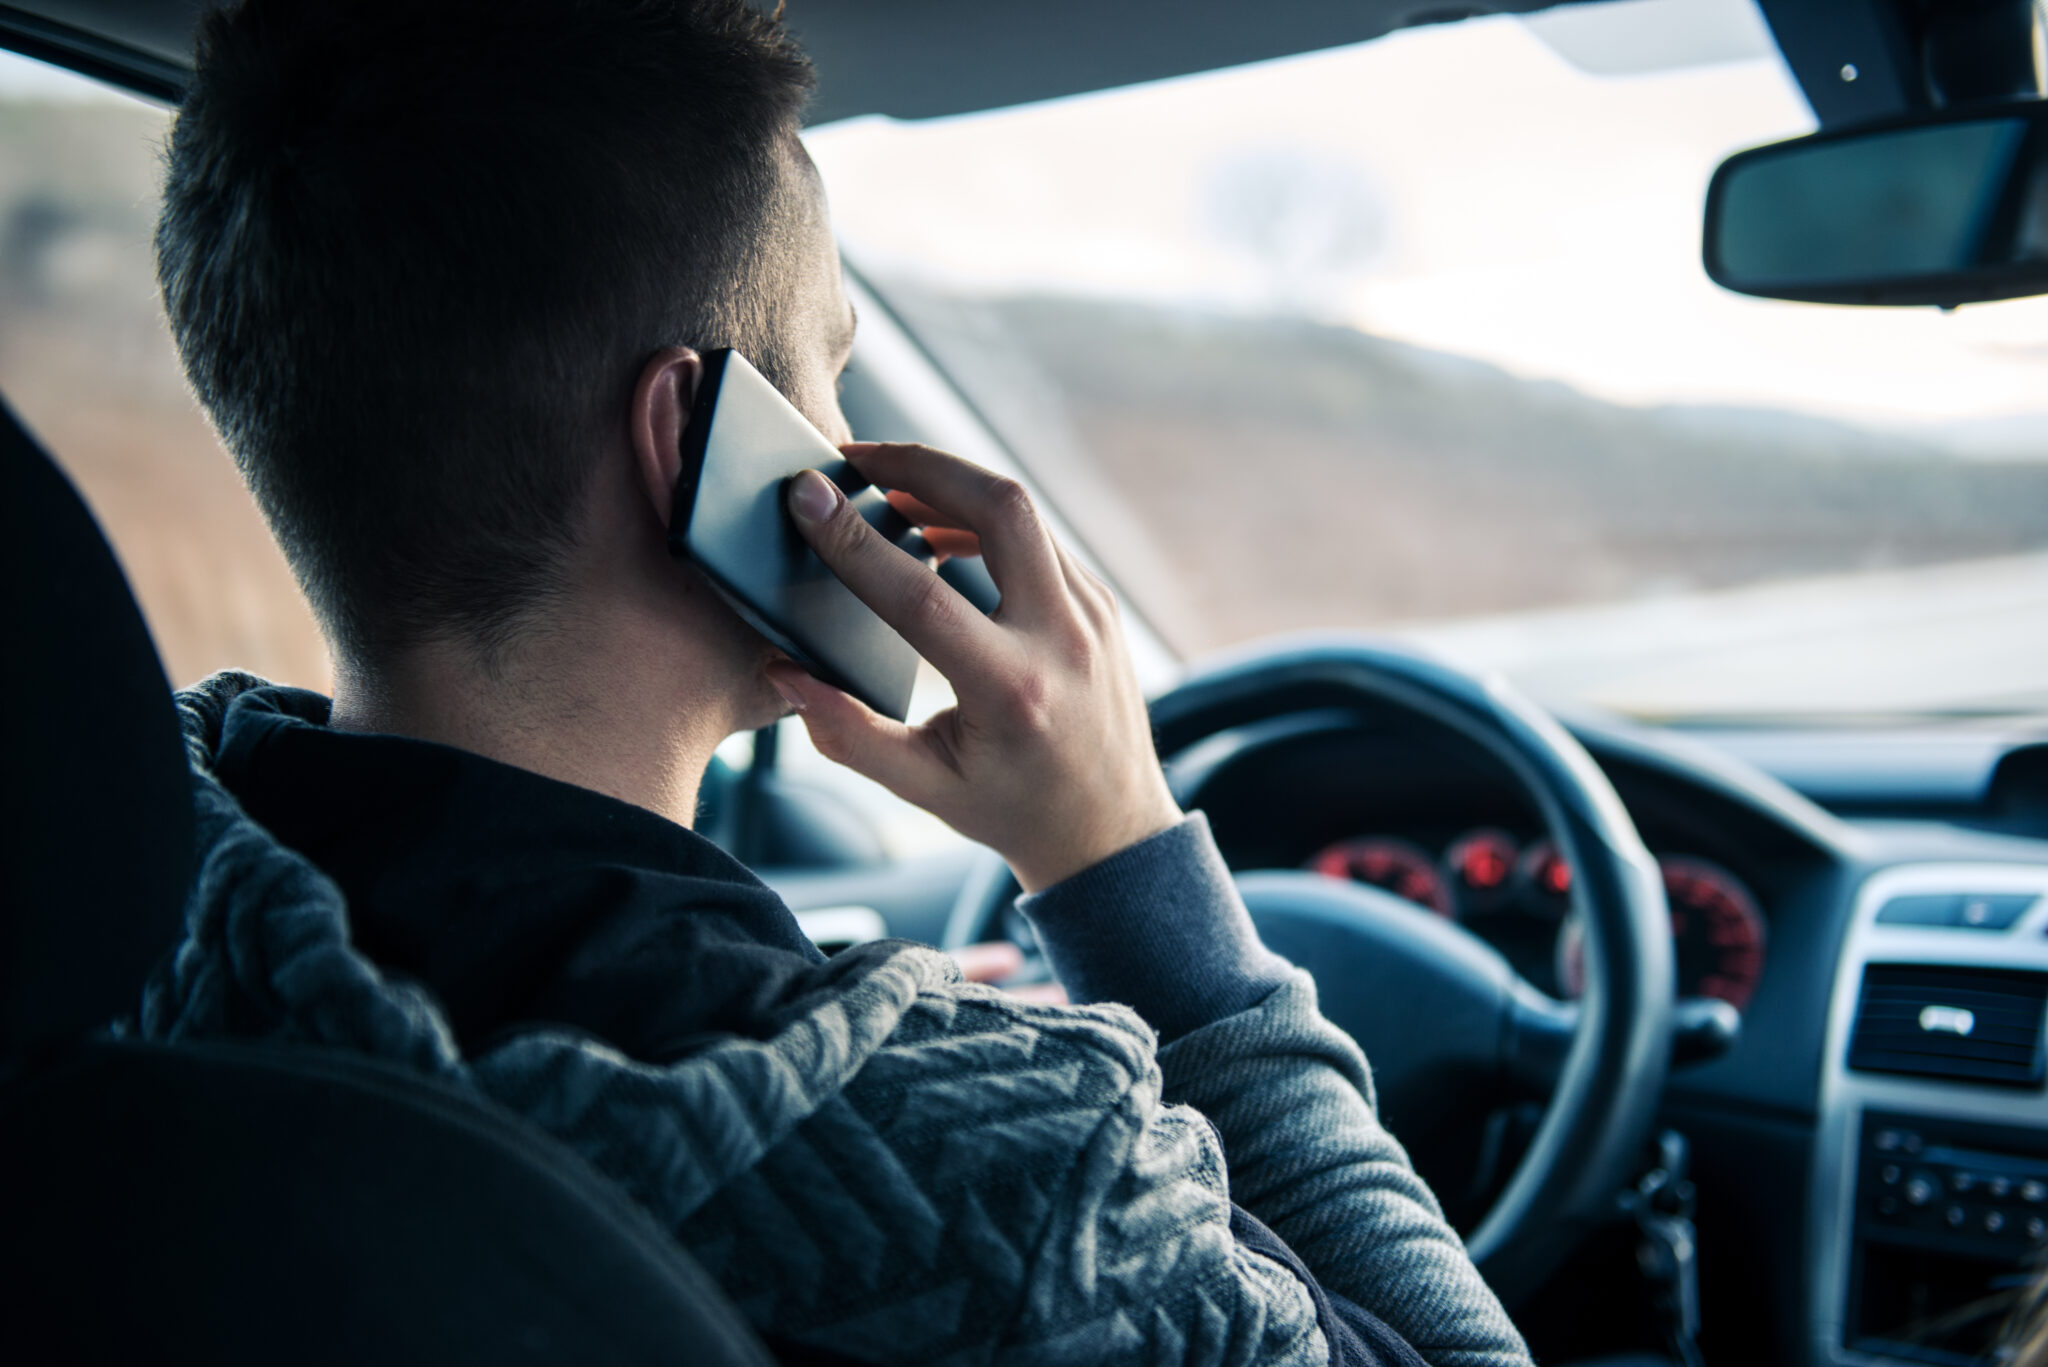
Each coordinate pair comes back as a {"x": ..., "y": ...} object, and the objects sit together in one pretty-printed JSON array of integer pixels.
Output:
[{"x": 1930, "y": 1182}]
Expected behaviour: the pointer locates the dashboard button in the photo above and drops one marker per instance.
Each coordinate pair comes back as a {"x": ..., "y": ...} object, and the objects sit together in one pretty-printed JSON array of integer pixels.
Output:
[
  {"x": 1919, "y": 1191},
  {"x": 1955, "y": 1215},
  {"x": 1924, "y": 909},
  {"x": 1889, "y": 1174},
  {"x": 2033, "y": 1191},
  {"x": 1993, "y": 911},
  {"x": 1994, "y": 1221},
  {"x": 1960, "y": 1182},
  {"x": 1999, "y": 1187},
  {"x": 2036, "y": 1227}
]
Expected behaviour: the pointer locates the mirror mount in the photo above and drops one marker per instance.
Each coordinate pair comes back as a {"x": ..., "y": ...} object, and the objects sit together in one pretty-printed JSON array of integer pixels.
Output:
[{"x": 1985, "y": 52}]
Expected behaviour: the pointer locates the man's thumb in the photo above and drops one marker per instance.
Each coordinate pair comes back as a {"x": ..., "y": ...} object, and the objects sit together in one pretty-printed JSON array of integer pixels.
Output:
[{"x": 846, "y": 731}]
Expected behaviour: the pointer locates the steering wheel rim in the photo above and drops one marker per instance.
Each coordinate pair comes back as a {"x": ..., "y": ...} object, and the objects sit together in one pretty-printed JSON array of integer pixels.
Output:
[{"x": 1608, "y": 1057}]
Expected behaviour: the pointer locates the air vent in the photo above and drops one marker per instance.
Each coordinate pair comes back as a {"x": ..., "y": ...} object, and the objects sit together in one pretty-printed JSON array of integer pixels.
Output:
[{"x": 1964, "y": 1024}]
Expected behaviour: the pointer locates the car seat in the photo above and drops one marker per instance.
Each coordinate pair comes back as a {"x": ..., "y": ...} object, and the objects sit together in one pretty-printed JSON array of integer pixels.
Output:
[{"x": 243, "y": 1203}]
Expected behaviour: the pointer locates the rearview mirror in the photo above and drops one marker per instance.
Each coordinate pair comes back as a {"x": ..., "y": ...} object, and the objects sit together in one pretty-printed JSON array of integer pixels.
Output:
[{"x": 1945, "y": 209}]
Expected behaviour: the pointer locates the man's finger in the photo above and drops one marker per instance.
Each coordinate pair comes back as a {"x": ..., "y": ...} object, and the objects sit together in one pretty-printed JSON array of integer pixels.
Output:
[
  {"x": 990, "y": 961},
  {"x": 923, "y": 608},
  {"x": 1095, "y": 597},
  {"x": 916, "y": 509},
  {"x": 945, "y": 539},
  {"x": 947, "y": 542},
  {"x": 1014, "y": 541}
]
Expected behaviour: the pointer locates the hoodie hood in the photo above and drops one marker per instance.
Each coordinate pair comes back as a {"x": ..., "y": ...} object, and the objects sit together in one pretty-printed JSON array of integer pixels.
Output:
[
  {"x": 268, "y": 953},
  {"x": 516, "y": 898}
]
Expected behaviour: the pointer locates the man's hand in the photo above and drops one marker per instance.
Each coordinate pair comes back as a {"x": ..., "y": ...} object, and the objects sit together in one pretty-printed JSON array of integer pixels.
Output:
[
  {"x": 1047, "y": 755},
  {"x": 997, "y": 961}
]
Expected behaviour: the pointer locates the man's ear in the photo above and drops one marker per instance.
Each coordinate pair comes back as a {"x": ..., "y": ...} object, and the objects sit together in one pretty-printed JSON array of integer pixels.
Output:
[{"x": 661, "y": 410}]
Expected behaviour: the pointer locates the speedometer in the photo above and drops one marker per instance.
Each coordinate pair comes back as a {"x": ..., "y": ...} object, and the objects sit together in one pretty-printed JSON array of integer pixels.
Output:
[
  {"x": 1717, "y": 930},
  {"x": 1393, "y": 865},
  {"x": 1717, "y": 935}
]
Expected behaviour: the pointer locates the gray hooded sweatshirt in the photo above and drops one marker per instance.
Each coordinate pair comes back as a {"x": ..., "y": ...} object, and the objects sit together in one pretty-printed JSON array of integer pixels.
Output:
[{"x": 898, "y": 1165}]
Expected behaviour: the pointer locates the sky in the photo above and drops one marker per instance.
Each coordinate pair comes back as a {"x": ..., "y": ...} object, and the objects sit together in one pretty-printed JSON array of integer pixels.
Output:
[{"x": 1464, "y": 186}]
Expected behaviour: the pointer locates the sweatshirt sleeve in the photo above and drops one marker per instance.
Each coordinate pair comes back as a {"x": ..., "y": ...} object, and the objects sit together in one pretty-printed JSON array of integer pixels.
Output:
[
  {"x": 1160, "y": 927},
  {"x": 1292, "y": 1097}
]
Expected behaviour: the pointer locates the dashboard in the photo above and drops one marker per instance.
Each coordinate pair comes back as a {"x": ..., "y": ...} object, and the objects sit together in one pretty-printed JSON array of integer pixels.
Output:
[
  {"x": 1785, "y": 910},
  {"x": 1513, "y": 890}
]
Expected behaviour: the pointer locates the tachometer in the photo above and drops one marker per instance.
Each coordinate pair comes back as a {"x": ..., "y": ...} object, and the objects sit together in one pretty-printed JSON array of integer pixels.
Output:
[
  {"x": 1717, "y": 929},
  {"x": 1393, "y": 865},
  {"x": 1717, "y": 934}
]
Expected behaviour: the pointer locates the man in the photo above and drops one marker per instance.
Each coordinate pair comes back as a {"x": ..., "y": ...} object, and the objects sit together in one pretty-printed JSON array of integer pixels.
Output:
[{"x": 442, "y": 271}]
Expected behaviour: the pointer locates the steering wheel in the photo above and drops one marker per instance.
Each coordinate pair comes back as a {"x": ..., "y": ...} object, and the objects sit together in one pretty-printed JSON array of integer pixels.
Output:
[{"x": 1437, "y": 1010}]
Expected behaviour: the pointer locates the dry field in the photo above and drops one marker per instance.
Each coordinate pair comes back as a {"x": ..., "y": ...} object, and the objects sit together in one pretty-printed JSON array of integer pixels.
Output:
[{"x": 85, "y": 360}]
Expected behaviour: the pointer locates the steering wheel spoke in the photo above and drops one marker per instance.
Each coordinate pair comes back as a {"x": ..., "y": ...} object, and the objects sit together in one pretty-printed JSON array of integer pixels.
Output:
[
  {"x": 1537, "y": 1033},
  {"x": 1427, "y": 1000}
]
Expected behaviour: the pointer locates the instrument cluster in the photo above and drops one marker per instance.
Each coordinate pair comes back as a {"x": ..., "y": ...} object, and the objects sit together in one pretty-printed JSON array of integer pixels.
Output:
[{"x": 1517, "y": 896}]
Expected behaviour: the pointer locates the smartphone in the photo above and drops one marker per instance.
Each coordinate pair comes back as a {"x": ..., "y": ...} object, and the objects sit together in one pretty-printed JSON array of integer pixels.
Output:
[{"x": 743, "y": 445}]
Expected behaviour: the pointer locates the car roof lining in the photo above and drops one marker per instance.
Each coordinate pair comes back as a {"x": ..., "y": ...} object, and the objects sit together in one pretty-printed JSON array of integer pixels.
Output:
[
  {"x": 139, "y": 47},
  {"x": 903, "y": 58},
  {"x": 924, "y": 58},
  {"x": 929, "y": 58}
]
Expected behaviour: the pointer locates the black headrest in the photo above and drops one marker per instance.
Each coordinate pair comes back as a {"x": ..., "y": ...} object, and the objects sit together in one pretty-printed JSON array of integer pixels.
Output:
[{"x": 95, "y": 801}]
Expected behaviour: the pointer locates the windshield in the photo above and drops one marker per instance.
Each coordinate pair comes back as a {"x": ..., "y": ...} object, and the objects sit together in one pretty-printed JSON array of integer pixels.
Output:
[{"x": 1413, "y": 337}]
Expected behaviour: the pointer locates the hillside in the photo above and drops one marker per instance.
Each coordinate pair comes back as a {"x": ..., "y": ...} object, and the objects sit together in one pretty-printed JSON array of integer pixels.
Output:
[{"x": 1277, "y": 474}]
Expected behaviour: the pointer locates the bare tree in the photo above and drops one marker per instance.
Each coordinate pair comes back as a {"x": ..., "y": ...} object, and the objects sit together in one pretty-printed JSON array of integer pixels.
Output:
[{"x": 1309, "y": 222}]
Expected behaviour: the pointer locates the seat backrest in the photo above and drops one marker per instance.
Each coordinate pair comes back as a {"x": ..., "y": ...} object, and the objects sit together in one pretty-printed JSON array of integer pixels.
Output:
[
  {"x": 95, "y": 803},
  {"x": 243, "y": 1203},
  {"x": 251, "y": 1204}
]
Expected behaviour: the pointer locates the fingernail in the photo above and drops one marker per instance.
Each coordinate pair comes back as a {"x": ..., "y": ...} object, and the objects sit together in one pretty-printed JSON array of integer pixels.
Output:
[
  {"x": 787, "y": 690},
  {"x": 812, "y": 497}
]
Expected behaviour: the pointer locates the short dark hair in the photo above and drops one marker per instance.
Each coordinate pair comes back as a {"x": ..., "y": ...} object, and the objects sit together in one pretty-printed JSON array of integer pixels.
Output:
[{"x": 415, "y": 253}]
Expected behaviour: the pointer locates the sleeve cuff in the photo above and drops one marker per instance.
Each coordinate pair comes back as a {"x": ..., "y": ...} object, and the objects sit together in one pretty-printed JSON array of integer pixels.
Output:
[{"x": 1159, "y": 927}]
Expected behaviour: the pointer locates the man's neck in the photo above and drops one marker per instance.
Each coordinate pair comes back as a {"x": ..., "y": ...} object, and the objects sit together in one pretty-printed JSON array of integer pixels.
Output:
[{"x": 573, "y": 706}]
